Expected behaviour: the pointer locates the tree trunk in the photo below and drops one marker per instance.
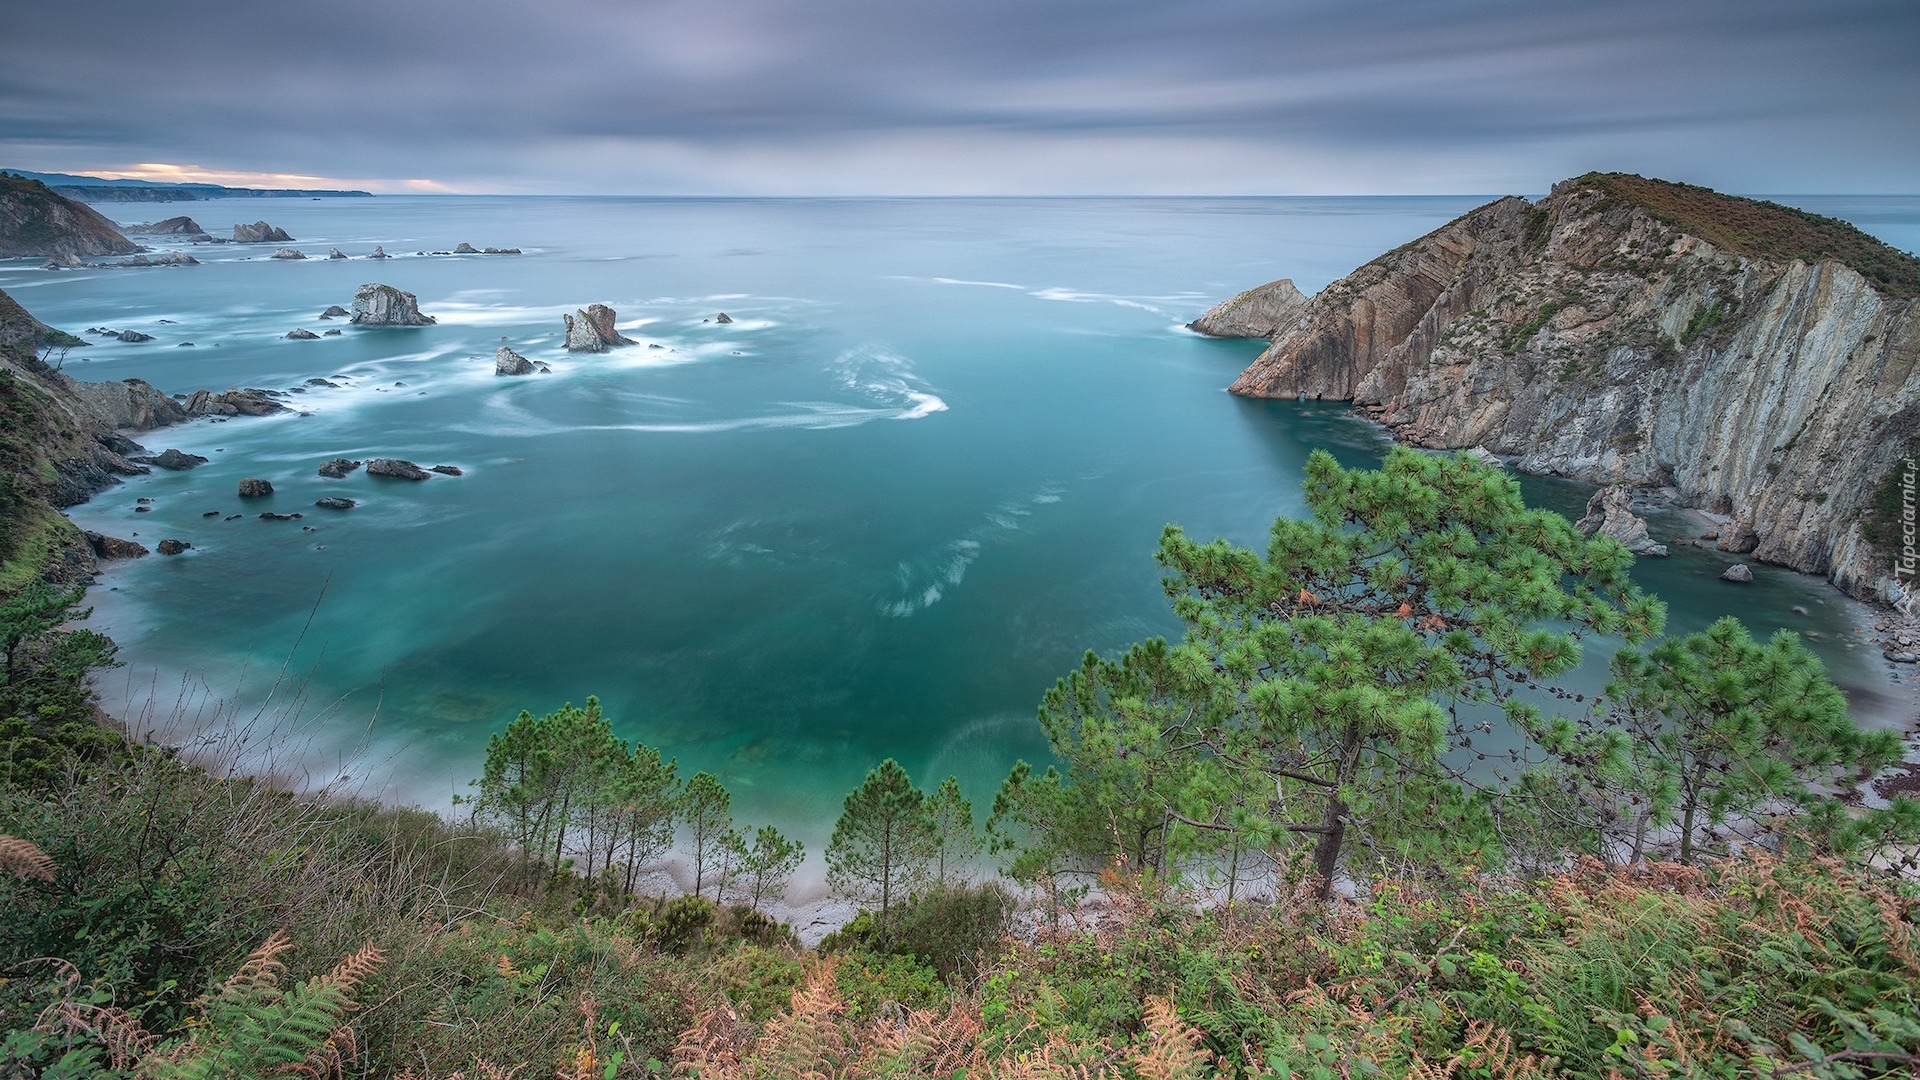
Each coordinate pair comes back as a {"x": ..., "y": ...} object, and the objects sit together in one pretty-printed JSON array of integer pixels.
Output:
[{"x": 1333, "y": 824}]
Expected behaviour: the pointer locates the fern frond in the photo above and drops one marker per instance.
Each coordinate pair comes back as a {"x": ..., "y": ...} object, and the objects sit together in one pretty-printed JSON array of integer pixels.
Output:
[
  {"x": 118, "y": 1030},
  {"x": 262, "y": 969},
  {"x": 348, "y": 974},
  {"x": 23, "y": 858},
  {"x": 1172, "y": 1050}
]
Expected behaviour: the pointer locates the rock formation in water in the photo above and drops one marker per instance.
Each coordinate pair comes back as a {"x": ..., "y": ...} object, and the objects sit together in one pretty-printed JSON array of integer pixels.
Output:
[
  {"x": 338, "y": 467},
  {"x": 379, "y": 253},
  {"x": 173, "y": 547},
  {"x": 335, "y": 253},
  {"x": 289, "y": 253},
  {"x": 171, "y": 459},
  {"x": 396, "y": 468},
  {"x": 1745, "y": 358},
  {"x": 723, "y": 317},
  {"x": 465, "y": 248},
  {"x": 249, "y": 401},
  {"x": 383, "y": 305},
  {"x": 302, "y": 334},
  {"x": 1259, "y": 312},
  {"x": 508, "y": 362},
  {"x": 113, "y": 547},
  {"x": 1610, "y": 513},
  {"x": 260, "y": 233},
  {"x": 335, "y": 502},
  {"x": 36, "y": 221},
  {"x": 591, "y": 330},
  {"x": 173, "y": 226},
  {"x": 255, "y": 488},
  {"x": 334, "y": 309}
]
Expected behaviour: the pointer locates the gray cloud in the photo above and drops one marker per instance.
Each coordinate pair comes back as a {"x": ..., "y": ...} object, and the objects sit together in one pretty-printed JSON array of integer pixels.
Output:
[{"x": 992, "y": 96}]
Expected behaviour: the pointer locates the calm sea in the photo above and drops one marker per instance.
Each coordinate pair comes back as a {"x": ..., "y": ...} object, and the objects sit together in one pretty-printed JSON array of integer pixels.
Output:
[{"x": 879, "y": 513}]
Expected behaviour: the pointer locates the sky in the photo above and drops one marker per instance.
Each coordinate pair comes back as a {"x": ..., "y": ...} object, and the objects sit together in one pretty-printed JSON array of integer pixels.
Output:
[{"x": 967, "y": 97}]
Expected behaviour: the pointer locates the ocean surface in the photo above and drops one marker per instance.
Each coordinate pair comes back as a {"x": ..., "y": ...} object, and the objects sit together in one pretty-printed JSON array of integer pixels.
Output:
[{"x": 919, "y": 474}]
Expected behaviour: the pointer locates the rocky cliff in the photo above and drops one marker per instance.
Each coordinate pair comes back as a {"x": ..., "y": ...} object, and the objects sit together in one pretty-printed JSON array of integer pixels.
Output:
[
  {"x": 1749, "y": 359},
  {"x": 36, "y": 221}
]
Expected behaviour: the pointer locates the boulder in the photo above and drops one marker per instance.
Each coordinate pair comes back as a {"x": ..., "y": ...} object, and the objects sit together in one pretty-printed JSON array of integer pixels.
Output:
[
  {"x": 173, "y": 547},
  {"x": 723, "y": 317},
  {"x": 1260, "y": 312},
  {"x": 289, "y": 253},
  {"x": 338, "y": 467},
  {"x": 260, "y": 233},
  {"x": 447, "y": 470},
  {"x": 591, "y": 330},
  {"x": 67, "y": 261},
  {"x": 253, "y": 488},
  {"x": 508, "y": 362},
  {"x": 499, "y": 251},
  {"x": 133, "y": 335},
  {"x": 383, "y": 305},
  {"x": 172, "y": 460},
  {"x": 397, "y": 468},
  {"x": 112, "y": 547},
  {"x": 335, "y": 253},
  {"x": 303, "y": 335},
  {"x": 335, "y": 332},
  {"x": 466, "y": 249},
  {"x": 379, "y": 253},
  {"x": 334, "y": 310},
  {"x": 1738, "y": 572},
  {"x": 1610, "y": 513},
  {"x": 335, "y": 502}
]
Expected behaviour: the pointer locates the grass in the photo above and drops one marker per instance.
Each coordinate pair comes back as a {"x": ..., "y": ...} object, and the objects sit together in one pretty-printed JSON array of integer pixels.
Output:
[{"x": 1766, "y": 230}]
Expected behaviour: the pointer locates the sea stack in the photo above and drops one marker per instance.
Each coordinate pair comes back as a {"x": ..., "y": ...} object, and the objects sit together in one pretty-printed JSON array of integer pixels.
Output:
[
  {"x": 508, "y": 362},
  {"x": 591, "y": 330},
  {"x": 383, "y": 305},
  {"x": 260, "y": 233}
]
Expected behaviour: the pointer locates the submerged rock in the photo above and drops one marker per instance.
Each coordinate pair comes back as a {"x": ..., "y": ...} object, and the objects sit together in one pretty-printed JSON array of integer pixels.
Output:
[
  {"x": 447, "y": 470},
  {"x": 338, "y": 467},
  {"x": 260, "y": 233},
  {"x": 508, "y": 362},
  {"x": 383, "y": 305},
  {"x": 253, "y": 488},
  {"x": 397, "y": 468},
  {"x": 335, "y": 502},
  {"x": 271, "y": 516},
  {"x": 303, "y": 335},
  {"x": 1610, "y": 513},
  {"x": 591, "y": 330}
]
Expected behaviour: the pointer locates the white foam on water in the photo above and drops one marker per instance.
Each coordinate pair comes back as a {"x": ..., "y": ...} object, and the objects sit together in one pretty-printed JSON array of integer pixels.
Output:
[
  {"x": 924, "y": 582},
  {"x": 1074, "y": 296}
]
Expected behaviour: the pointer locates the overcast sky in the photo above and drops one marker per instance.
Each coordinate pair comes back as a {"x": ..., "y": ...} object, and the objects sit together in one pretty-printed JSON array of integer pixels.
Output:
[{"x": 968, "y": 96}]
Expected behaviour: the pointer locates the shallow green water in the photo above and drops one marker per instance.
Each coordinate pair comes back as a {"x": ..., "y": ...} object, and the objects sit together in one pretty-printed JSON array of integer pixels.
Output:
[{"x": 878, "y": 514}]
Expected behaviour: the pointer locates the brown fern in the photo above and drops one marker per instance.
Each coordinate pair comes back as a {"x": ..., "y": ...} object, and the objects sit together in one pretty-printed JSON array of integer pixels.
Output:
[
  {"x": 126, "y": 1042},
  {"x": 24, "y": 859},
  {"x": 348, "y": 974},
  {"x": 262, "y": 970},
  {"x": 1172, "y": 1048},
  {"x": 806, "y": 1042},
  {"x": 712, "y": 1049}
]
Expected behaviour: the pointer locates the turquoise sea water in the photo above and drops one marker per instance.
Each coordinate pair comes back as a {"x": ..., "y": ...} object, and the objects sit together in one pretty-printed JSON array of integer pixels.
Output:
[{"x": 878, "y": 514}]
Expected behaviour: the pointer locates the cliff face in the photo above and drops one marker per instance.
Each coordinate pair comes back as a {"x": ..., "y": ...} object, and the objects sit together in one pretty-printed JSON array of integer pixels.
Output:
[
  {"x": 36, "y": 221},
  {"x": 1768, "y": 374}
]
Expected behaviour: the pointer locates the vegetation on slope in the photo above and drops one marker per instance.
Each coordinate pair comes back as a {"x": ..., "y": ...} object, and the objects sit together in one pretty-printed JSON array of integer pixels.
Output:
[{"x": 1765, "y": 230}]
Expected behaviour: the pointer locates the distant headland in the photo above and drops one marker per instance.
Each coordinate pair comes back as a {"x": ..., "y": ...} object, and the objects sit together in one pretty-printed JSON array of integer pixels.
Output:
[{"x": 95, "y": 189}]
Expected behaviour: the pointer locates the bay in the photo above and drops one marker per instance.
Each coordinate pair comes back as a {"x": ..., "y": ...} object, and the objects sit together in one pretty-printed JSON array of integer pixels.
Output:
[{"x": 922, "y": 470}]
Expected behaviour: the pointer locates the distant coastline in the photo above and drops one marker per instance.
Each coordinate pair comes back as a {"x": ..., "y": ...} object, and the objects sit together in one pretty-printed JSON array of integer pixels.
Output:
[{"x": 95, "y": 189}]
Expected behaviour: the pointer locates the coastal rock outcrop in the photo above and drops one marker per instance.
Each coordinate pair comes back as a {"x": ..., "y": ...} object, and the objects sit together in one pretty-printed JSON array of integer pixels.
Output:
[
  {"x": 131, "y": 404},
  {"x": 249, "y": 401},
  {"x": 508, "y": 362},
  {"x": 289, "y": 253},
  {"x": 379, "y": 253},
  {"x": 113, "y": 547},
  {"x": 383, "y": 305},
  {"x": 337, "y": 467},
  {"x": 591, "y": 330},
  {"x": 397, "y": 468},
  {"x": 1610, "y": 513},
  {"x": 335, "y": 253},
  {"x": 174, "y": 547},
  {"x": 173, "y": 226},
  {"x": 260, "y": 233},
  {"x": 1260, "y": 312},
  {"x": 335, "y": 502},
  {"x": 723, "y": 317},
  {"x": 1739, "y": 573},
  {"x": 255, "y": 488},
  {"x": 1752, "y": 360},
  {"x": 465, "y": 248},
  {"x": 172, "y": 460},
  {"x": 303, "y": 335},
  {"x": 34, "y": 220},
  {"x": 334, "y": 310}
]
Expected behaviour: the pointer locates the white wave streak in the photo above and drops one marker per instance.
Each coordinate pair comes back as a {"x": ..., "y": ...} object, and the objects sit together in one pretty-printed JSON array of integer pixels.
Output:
[
  {"x": 888, "y": 380},
  {"x": 920, "y": 585},
  {"x": 1075, "y": 296}
]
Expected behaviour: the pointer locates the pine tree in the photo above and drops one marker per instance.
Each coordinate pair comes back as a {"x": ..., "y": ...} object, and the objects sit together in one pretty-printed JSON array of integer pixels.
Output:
[
  {"x": 956, "y": 843},
  {"x": 883, "y": 843},
  {"x": 768, "y": 865},
  {"x": 706, "y": 809}
]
